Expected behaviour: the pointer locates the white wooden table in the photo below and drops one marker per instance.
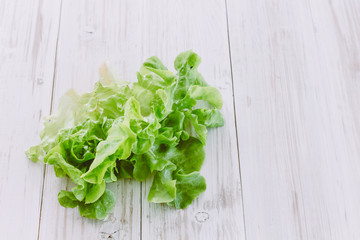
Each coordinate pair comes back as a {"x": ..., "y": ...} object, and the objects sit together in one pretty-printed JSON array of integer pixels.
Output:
[{"x": 285, "y": 166}]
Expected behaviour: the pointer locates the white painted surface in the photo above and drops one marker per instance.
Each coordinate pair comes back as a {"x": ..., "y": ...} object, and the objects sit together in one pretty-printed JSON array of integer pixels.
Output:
[
  {"x": 295, "y": 70},
  {"x": 28, "y": 31}
]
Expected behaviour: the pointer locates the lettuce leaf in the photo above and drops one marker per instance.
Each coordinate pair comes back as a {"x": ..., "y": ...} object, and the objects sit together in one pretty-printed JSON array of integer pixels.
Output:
[{"x": 153, "y": 127}]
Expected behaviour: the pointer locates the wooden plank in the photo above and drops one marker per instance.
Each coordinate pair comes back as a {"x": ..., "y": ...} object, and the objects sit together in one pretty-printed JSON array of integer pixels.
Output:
[
  {"x": 27, "y": 56},
  {"x": 172, "y": 27},
  {"x": 91, "y": 32},
  {"x": 126, "y": 33},
  {"x": 296, "y": 72}
]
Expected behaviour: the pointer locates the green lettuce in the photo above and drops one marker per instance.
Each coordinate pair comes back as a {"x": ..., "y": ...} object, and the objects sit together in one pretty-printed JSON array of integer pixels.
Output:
[{"x": 155, "y": 127}]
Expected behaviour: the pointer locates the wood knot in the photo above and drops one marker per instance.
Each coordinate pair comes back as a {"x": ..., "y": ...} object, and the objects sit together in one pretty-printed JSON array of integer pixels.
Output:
[
  {"x": 87, "y": 33},
  {"x": 202, "y": 217},
  {"x": 39, "y": 80},
  {"x": 108, "y": 236}
]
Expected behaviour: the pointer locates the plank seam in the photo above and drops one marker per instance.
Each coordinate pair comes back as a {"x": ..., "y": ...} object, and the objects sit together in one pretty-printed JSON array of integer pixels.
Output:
[
  {"x": 141, "y": 202},
  {"x": 51, "y": 109},
  {"x": 234, "y": 105}
]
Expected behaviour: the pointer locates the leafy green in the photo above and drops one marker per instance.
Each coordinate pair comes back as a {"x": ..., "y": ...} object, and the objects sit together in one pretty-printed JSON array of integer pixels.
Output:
[
  {"x": 67, "y": 199},
  {"x": 188, "y": 187},
  {"x": 163, "y": 189},
  {"x": 100, "y": 208},
  {"x": 209, "y": 94},
  {"x": 155, "y": 127}
]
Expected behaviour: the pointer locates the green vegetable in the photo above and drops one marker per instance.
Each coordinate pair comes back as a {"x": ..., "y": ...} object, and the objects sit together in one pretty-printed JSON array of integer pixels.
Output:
[{"x": 154, "y": 127}]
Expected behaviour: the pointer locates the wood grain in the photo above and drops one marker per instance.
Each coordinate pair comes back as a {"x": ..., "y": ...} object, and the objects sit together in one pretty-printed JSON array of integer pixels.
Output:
[
  {"x": 27, "y": 54},
  {"x": 296, "y": 74}
]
